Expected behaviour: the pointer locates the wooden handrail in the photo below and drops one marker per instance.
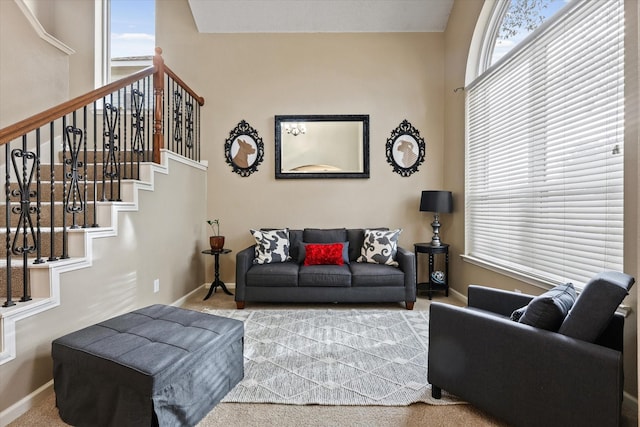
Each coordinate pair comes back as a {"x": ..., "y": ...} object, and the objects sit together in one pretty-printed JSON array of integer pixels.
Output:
[
  {"x": 178, "y": 80},
  {"x": 34, "y": 122}
]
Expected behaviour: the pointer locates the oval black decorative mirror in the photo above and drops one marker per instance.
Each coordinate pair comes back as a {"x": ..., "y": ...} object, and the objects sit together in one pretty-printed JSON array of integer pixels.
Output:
[
  {"x": 405, "y": 149},
  {"x": 244, "y": 149}
]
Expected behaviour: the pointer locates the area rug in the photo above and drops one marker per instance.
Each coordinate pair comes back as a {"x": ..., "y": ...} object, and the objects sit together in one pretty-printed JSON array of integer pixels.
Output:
[{"x": 334, "y": 357}]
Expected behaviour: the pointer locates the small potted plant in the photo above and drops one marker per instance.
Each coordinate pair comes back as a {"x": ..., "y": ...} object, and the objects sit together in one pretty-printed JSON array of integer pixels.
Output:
[{"x": 216, "y": 241}]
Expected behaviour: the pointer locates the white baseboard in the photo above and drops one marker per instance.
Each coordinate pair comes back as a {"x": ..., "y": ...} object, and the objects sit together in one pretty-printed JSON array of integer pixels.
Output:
[
  {"x": 629, "y": 403},
  {"x": 23, "y": 405},
  {"x": 457, "y": 295}
]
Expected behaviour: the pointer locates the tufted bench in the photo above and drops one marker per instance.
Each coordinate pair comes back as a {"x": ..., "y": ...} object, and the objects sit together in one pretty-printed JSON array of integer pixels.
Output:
[{"x": 159, "y": 365}]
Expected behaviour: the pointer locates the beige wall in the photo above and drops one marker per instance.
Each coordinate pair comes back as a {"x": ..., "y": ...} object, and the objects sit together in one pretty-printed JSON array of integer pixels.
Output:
[
  {"x": 254, "y": 77},
  {"x": 34, "y": 73}
]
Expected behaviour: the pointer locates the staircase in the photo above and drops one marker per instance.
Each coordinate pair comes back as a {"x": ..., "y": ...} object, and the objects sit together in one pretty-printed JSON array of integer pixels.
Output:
[{"x": 71, "y": 170}]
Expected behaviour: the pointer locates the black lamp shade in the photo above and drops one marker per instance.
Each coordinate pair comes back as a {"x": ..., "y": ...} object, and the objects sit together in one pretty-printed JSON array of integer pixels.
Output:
[{"x": 436, "y": 201}]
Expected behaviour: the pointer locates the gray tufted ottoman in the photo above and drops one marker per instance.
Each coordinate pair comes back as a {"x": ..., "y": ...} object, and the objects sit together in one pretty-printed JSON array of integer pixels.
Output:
[{"x": 159, "y": 365}]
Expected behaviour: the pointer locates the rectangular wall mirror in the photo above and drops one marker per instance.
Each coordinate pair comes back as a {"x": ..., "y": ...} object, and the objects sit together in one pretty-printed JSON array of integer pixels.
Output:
[{"x": 322, "y": 146}]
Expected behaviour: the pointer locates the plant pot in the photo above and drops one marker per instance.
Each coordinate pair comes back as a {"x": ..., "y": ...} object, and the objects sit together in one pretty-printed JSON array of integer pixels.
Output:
[{"x": 216, "y": 242}]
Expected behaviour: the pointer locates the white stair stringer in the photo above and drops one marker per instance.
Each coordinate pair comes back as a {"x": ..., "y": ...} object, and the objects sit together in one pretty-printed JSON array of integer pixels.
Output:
[{"x": 45, "y": 278}]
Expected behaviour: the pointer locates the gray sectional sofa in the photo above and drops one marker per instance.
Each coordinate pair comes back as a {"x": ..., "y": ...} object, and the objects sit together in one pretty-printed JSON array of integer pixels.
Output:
[{"x": 290, "y": 280}]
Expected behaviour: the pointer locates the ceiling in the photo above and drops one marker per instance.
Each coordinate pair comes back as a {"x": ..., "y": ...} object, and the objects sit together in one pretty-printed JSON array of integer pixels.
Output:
[{"x": 320, "y": 16}]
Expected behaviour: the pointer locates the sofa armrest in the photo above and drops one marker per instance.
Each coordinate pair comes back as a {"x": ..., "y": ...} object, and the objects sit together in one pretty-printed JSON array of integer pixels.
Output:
[
  {"x": 524, "y": 375},
  {"x": 244, "y": 261},
  {"x": 496, "y": 300},
  {"x": 407, "y": 263}
]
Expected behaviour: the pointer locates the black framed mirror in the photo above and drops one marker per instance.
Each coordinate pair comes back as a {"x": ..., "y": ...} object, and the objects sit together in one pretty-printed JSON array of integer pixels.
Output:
[{"x": 322, "y": 146}]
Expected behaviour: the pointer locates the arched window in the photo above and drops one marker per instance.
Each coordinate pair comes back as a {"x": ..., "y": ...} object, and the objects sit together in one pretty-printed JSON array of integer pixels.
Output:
[{"x": 544, "y": 164}]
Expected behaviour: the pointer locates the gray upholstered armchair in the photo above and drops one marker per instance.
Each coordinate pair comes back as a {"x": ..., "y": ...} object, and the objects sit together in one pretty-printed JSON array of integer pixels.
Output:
[{"x": 530, "y": 376}]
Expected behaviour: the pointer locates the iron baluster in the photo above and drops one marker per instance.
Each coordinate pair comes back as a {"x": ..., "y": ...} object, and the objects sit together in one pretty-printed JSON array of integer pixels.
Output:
[
  {"x": 74, "y": 202},
  {"x": 95, "y": 165},
  {"x": 111, "y": 168},
  {"x": 65, "y": 232},
  {"x": 24, "y": 177},
  {"x": 188, "y": 123},
  {"x": 52, "y": 241},
  {"x": 177, "y": 121},
  {"x": 38, "y": 259},
  {"x": 7, "y": 193},
  {"x": 84, "y": 168},
  {"x": 138, "y": 120}
]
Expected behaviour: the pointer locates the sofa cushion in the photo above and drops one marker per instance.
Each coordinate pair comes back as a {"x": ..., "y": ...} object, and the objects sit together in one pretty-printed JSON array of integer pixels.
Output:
[
  {"x": 324, "y": 276},
  {"x": 596, "y": 305},
  {"x": 302, "y": 252},
  {"x": 547, "y": 311},
  {"x": 295, "y": 238},
  {"x": 324, "y": 235},
  {"x": 380, "y": 247},
  {"x": 273, "y": 274},
  {"x": 366, "y": 274},
  {"x": 271, "y": 246}
]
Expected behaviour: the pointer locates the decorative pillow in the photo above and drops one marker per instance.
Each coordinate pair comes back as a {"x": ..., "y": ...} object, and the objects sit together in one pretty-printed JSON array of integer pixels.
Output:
[
  {"x": 517, "y": 314},
  {"x": 380, "y": 247},
  {"x": 271, "y": 246},
  {"x": 596, "y": 305},
  {"x": 302, "y": 252},
  {"x": 548, "y": 310},
  {"x": 324, "y": 254}
]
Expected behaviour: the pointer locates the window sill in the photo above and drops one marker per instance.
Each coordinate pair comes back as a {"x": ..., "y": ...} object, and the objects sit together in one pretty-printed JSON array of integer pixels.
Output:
[{"x": 538, "y": 282}]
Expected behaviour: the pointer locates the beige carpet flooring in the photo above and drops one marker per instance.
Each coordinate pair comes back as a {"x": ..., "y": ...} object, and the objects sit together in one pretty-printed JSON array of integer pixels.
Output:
[{"x": 267, "y": 415}]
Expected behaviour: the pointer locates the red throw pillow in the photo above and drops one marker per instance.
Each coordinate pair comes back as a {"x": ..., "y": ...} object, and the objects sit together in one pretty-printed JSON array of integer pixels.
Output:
[{"x": 324, "y": 254}]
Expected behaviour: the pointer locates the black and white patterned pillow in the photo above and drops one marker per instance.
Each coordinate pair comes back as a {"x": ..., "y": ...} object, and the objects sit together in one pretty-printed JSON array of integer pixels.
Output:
[
  {"x": 380, "y": 247},
  {"x": 271, "y": 246}
]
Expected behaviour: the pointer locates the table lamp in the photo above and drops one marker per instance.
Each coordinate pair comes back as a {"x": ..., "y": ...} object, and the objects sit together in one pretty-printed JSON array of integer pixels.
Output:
[{"x": 437, "y": 202}]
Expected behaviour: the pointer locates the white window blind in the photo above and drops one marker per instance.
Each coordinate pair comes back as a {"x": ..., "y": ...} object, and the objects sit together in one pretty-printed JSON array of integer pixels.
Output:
[{"x": 544, "y": 164}]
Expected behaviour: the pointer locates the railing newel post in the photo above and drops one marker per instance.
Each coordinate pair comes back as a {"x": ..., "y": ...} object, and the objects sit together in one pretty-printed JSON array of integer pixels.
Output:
[{"x": 158, "y": 94}]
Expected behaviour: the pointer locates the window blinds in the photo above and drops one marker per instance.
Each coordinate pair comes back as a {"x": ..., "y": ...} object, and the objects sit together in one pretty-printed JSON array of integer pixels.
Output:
[{"x": 544, "y": 164}]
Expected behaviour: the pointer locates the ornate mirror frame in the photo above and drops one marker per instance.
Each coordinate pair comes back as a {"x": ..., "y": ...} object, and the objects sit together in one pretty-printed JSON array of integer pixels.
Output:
[
  {"x": 405, "y": 149},
  {"x": 244, "y": 149},
  {"x": 322, "y": 146}
]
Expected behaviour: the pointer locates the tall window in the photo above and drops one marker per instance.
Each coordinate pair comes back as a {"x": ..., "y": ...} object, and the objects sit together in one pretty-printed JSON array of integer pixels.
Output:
[
  {"x": 544, "y": 172},
  {"x": 131, "y": 36}
]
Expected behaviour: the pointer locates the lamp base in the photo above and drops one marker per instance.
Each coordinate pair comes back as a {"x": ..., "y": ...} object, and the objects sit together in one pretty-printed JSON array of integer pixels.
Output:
[{"x": 435, "y": 240}]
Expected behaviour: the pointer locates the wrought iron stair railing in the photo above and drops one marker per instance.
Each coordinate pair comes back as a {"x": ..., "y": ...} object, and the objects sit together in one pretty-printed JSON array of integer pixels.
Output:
[{"x": 61, "y": 163}]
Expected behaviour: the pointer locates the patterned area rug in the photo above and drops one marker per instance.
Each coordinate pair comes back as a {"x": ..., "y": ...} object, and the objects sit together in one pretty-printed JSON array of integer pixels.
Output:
[{"x": 334, "y": 357}]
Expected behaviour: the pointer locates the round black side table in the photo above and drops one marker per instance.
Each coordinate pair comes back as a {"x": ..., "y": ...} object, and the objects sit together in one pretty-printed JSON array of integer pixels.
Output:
[
  {"x": 216, "y": 265},
  {"x": 431, "y": 285}
]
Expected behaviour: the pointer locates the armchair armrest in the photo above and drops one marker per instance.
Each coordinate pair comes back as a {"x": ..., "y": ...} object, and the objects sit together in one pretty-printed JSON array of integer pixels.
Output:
[
  {"x": 524, "y": 375},
  {"x": 496, "y": 300},
  {"x": 244, "y": 261}
]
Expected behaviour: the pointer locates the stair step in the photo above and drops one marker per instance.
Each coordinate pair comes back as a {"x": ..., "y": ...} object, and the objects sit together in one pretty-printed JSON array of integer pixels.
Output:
[
  {"x": 93, "y": 171},
  {"x": 124, "y": 156},
  {"x": 45, "y": 246},
  {"x": 58, "y": 187},
  {"x": 16, "y": 283},
  {"x": 58, "y": 215}
]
